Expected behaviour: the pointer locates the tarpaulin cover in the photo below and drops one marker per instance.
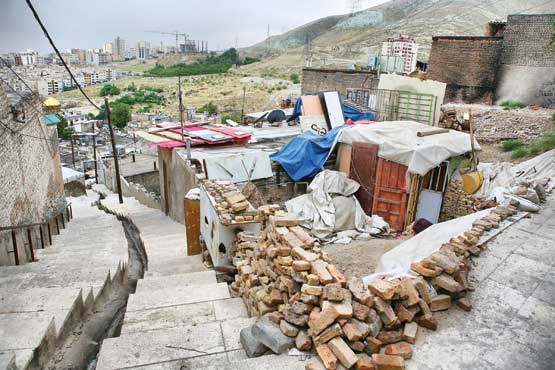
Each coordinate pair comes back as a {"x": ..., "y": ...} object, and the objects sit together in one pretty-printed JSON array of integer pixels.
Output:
[
  {"x": 350, "y": 112},
  {"x": 398, "y": 142},
  {"x": 305, "y": 154},
  {"x": 330, "y": 207}
]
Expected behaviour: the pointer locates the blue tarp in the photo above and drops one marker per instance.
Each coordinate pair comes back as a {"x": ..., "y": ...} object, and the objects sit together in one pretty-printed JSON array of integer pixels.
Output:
[{"x": 304, "y": 155}]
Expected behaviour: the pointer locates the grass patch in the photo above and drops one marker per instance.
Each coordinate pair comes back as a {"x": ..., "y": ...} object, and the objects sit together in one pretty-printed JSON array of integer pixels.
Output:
[
  {"x": 543, "y": 144},
  {"x": 511, "y": 104},
  {"x": 519, "y": 153},
  {"x": 510, "y": 145}
]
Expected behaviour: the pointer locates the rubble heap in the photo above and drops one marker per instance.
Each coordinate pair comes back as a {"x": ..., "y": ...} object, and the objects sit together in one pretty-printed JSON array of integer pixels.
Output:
[
  {"x": 457, "y": 203},
  {"x": 231, "y": 205},
  {"x": 307, "y": 303}
]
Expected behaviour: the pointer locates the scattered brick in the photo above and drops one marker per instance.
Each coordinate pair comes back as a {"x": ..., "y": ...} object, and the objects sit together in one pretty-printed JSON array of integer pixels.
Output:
[
  {"x": 402, "y": 349},
  {"x": 409, "y": 332},
  {"x": 388, "y": 362},
  {"x": 343, "y": 352}
]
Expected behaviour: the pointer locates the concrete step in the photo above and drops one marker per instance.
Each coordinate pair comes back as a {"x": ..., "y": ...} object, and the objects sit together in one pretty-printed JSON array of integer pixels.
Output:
[
  {"x": 177, "y": 343},
  {"x": 183, "y": 315},
  {"x": 188, "y": 279},
  {"x": 177, "y": 265},
  {"x": 175, "y": 296}
]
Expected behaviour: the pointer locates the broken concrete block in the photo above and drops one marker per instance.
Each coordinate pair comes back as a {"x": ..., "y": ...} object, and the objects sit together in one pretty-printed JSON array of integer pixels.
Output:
[
  {"x": 382, "y": 288},
  {"x": 322, "y": 320},
  {"x": 252, "y": 346},
  {"x": 293, "y": 318},
  {"x": 402, "y": 349},
  {"x": 440, "y": 303},
  {"x": 333, "y": 292},
  {"x": 271, "y": 336},
  {"x": 388, "y": 362},
  {"x": 326, "y": 355},
  {"x": 303, "y": 341},
  {"x": 409, "y": 332},
  {"x": 342, "y": 351}
]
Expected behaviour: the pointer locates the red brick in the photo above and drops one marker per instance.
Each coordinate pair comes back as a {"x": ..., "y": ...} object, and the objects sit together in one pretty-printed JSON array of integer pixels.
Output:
[
  {"x": 326, "y": 355},
  {"x": 388, "y": 362},
  {"x": 402, "y": 349}
]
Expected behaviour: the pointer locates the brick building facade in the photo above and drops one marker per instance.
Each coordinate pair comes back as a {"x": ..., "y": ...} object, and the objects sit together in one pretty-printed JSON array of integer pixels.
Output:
[
  {"x": 468, "y": 65},
  {"x": 31, "y": 182},
  {"x": 318, "y": 80},
  {"x": 519, "y": 65}
]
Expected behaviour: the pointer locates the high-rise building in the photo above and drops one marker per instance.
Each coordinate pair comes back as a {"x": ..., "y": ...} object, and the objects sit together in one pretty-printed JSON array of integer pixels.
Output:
[
  {"x": 405, "y": 47},
  {"x": 143, "y": 50},
  {"x": 118, "y": 48},
  {"x": 108, "y": 48}
]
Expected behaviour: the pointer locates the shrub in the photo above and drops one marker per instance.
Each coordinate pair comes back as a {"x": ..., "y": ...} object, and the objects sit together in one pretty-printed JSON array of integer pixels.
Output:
[
  {"x": 510, "y": 145},
  {"x": 543, "y": 144},
  {"x": 295, "y": 78},
  {"x": 209, "y": 108},
  {"x": 109, "y": 89},
  {"x": 519, "y": 153},
  {"x": 511, "y": 104}
]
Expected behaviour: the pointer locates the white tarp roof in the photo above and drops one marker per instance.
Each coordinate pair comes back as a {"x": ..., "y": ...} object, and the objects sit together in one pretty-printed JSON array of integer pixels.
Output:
[
  {"x": 398, "y": 142},
  {"x": 70, "y": 174}
]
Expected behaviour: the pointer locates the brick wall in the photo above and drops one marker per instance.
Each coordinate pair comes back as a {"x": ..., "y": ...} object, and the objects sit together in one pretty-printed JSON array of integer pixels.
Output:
[
  {"x": 526, "y": 41},
  {"x": 31, "y": 182},
  {"x": 468, "y": 65},
  {"x": 317, "y": 80}
]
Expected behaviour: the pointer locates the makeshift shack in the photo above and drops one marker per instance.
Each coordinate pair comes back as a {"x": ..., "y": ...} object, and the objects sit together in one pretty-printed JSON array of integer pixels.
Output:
[{"x": 403, "y": 167}]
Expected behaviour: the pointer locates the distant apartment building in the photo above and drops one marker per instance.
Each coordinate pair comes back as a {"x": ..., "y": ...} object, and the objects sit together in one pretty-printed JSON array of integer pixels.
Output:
[
  {"x": 108, "y": 48},
  {"x": 55, "y": 86},
  {"x": 27, "y": 58},
  {"x": 118, "y": 49},
  {"x": 97, "y": 57},
  {"x": 143, "y": 50},
  {"x": 404, "y": 47},
  {"x": 79, "y": 55}
]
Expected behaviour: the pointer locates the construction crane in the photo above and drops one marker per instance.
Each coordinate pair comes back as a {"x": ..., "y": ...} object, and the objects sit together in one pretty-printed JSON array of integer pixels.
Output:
[{"x": 176, "y": 34}]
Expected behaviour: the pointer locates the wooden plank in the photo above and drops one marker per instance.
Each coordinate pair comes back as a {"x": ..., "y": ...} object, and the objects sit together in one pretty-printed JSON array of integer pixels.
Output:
[
  {"x": 364, "y": 159},
  {"x": 192, "y": 226},
  {"x": 344, "y": 158},
  {"x": 312, "y": 105},
  {"x": 389, "y": 194}
]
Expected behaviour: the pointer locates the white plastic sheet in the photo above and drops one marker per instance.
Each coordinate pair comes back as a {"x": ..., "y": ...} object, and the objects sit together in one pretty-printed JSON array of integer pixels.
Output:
[
  {"x": 398, "y": 142},
  {"x": 397, "y": 261},
  {"x": 330, "y": 206}
]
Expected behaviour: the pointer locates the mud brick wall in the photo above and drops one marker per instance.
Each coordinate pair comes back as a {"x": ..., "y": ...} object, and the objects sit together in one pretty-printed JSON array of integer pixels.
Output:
[
  {"x": 468, "y": 65},
  {"x": 31, "y": 183},
  {"x": 318, "y": 80}
]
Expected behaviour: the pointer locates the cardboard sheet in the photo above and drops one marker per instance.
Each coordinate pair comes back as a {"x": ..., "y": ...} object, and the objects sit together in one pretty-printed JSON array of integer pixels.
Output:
[{"x": 312, "y": 105}]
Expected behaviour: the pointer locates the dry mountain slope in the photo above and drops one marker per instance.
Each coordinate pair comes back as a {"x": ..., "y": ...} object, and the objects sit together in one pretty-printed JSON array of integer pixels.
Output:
[{"x": 360, "y": 34}]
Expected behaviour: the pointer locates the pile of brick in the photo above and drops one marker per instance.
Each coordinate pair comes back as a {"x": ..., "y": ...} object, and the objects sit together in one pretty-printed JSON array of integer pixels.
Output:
[
  {"x": 231, "y": 205},
  {"x": 306, "y": 302},
  {"x": 457, "y": 203}
]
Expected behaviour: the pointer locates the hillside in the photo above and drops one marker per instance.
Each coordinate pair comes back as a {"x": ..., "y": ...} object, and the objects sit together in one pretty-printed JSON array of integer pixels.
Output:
[{"x": 342, "y": 39}]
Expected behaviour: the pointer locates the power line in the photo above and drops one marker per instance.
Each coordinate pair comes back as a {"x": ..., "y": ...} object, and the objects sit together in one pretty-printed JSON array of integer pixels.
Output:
[
  {"x": 59, "y": 54},
  {"x": 14, "y": 132}
]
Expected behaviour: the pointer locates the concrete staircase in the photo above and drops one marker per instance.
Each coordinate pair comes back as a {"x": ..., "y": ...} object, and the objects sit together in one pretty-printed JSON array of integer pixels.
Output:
[
  {"x": 41, "y": 302},
  {"x": 180, "y": 317}
]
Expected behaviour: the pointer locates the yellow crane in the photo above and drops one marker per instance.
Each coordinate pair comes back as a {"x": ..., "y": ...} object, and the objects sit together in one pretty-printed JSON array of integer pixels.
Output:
[{"x": 176, "y": 34}]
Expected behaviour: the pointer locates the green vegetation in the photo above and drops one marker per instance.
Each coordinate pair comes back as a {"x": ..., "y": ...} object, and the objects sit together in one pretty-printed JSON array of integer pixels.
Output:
[
  {"x": 109, "y": 89},
  {"x": 232, "y": 116},
  {"x": 510, "y": 145},
  {"x": 121, "y": 115},
  {"x": 131, "y": 87},
  {"x": 511, "y": 104},
  {"x": 551, "y": 21},
  {"x": 295, "y": 78},
  {"x": 64, "y": 131},
  {"x": 552, "y": 118},
  {"x": 210, "y": 65},
  {"x": 209, "y": 108},
  {"x": 69, "y": 88},
  {"x": 518, "y": 149}
]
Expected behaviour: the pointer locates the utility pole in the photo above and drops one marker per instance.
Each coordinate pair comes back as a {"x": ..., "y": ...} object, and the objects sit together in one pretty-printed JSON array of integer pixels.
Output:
[
  {"x": 114, "y": 151},
  {"x": 94, "y": 155},
  {"x": 243, "y": 106},
  {"x": 187, "y": 140}
]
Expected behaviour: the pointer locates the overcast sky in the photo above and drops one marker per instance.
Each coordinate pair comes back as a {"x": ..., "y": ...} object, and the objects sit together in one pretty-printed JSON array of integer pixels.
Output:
[{"x": 90, "y": 23}]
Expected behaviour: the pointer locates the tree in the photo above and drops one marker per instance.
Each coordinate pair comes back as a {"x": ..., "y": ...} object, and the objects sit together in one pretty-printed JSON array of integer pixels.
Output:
[
  {"x": 209, "y": 108},
  {"x": 121, "y": 115},
  {"x": 109, "y": 89},
  {"x": 64, "y": 132}
]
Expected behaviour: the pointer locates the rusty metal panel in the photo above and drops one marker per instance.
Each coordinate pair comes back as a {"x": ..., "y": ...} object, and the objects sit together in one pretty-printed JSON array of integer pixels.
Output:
[
  {"x": 390, "y": 195},
  {"x": 364, "y": 158},
  {"x": 192, "y": 225}
]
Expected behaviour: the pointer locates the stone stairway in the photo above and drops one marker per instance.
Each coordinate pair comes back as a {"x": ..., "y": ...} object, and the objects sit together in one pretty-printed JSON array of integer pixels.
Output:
[
  {"x": 41, "y": 302},
  {"x": 180, "y": 317}
]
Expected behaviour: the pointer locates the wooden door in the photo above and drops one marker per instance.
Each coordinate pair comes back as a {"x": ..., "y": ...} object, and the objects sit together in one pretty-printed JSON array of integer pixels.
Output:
[
  {"x": 364, "y": 158},
  {"x": 390, "y": 195}
]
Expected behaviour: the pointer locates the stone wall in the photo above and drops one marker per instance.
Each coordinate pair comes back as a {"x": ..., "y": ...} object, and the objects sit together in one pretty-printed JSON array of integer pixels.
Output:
[
  {"x": 31, "y": 182},
  {"x": 150, "y": 180},
  {"x": 527, "y": 72},
  {"x": 318, "y": 80},
  {"x": 468, "y": 65}
]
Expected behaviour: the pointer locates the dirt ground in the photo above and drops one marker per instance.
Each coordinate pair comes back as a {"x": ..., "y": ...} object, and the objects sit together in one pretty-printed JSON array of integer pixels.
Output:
[{"x": 360, "y": 257}]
